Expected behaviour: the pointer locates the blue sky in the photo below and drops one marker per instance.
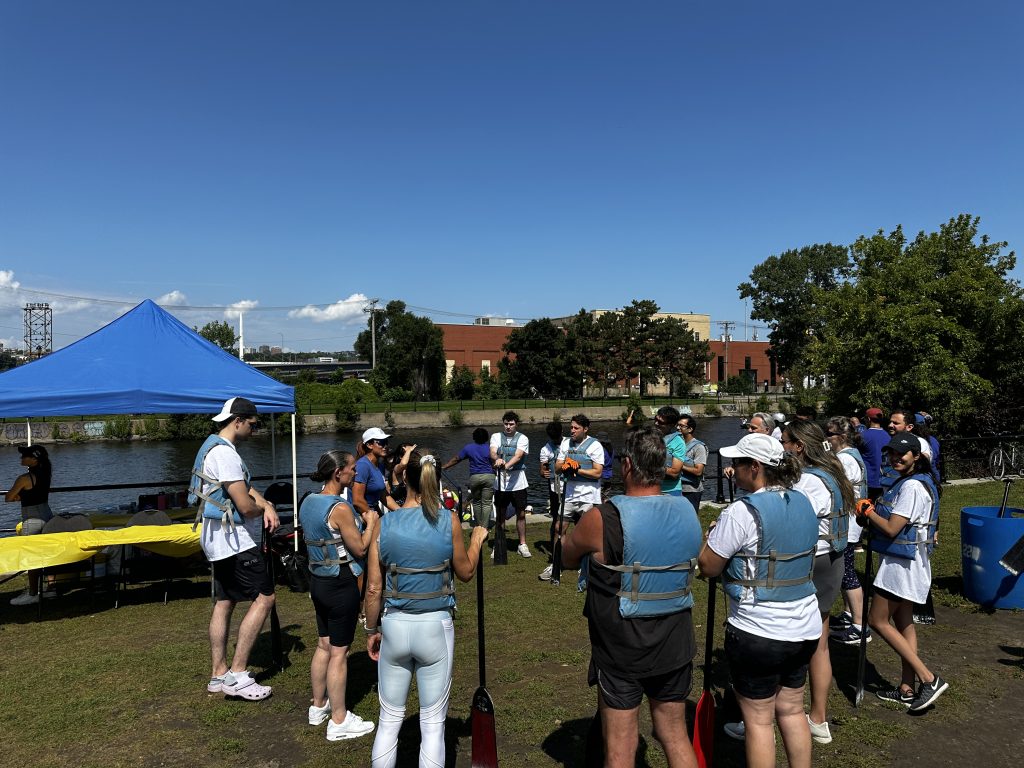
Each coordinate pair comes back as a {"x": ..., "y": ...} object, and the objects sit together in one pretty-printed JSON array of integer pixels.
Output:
[{"x": 518, "y": 159}]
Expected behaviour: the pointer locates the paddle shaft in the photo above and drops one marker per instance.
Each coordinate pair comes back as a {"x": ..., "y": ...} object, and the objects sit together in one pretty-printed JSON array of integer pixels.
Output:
[
  {"x": 862, "y": 651},
  {"x": 709, "y": 632},
  {"x": 480, "y": 616},
  {"x": 1006, "y": 495},
  {"x": 556, "y": 551}
]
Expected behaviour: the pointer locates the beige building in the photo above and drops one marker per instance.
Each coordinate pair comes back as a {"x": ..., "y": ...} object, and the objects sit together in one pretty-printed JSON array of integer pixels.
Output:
[{"x": 699, "y": 324}]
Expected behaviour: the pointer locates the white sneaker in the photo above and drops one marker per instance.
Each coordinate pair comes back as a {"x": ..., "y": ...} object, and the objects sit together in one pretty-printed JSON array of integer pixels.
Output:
[
  {"x": 352, "y": 727},
  {"x": 524, "y": 550},
  {"x": 545, "y": 575},
  {"x": 25, "y": 599},
  {"x": 819, "y": 731},
  {"x": 736, "y": 731},
  {"x": 318, "y": 714}
]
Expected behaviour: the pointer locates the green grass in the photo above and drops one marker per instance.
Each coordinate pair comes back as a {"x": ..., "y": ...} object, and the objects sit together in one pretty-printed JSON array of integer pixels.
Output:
[{"x": 93, "y": 686}]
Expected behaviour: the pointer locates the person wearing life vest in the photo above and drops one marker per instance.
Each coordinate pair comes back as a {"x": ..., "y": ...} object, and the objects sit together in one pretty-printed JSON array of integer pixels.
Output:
[
  {"x": 824, "y": 483},
  {"x": 509, "y": 449},
  {"x": 846, "y": 443},
  {"x": 691, "y": 478},
  {"x": 337, "y": 541},
  {"x": 410, "y": 600},
  {"x": 548, "y": 454},
  {"x": 233, "y": 514},
  {"x": 763, "y": 545},
  {"x": 642, "y": 548},
  {"x": 902, "y": 525},
  {"x": 580, "y": 463},
  {"x": 666, "y": 420}
]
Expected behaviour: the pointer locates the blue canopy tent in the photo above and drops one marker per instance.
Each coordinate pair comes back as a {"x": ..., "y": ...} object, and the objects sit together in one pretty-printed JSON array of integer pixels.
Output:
[{"x": 146, "y": 361}]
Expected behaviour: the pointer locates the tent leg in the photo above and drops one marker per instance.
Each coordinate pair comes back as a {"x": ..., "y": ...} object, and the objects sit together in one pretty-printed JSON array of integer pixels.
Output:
[
  {"x": 273, "y": 446},
  {"x": 28, "y": 431},
  {"x": 295, "y": 490}
]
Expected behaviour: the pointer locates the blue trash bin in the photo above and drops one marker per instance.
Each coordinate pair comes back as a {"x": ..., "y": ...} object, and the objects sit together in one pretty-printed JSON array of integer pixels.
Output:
[{"x": 985, "y": 537}]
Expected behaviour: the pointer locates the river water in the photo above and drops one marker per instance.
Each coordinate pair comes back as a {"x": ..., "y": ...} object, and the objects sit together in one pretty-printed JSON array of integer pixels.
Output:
[{"x": 100, "y": 462}]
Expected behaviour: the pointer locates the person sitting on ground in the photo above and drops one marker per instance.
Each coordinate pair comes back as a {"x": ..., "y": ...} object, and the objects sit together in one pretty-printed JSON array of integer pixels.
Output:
[
  {"x": 32, "y": 489},
  {"x": 641, "y": 633}
]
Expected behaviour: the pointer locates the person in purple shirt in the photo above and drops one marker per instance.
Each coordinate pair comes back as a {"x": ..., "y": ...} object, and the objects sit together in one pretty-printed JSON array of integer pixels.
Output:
[
  {"x": 481, "y": 473},
  {"x": 875, "y": 439}
]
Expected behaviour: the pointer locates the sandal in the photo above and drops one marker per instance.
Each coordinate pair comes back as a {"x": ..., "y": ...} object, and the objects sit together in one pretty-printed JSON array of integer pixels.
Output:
[{"x": 245, "y": 687}]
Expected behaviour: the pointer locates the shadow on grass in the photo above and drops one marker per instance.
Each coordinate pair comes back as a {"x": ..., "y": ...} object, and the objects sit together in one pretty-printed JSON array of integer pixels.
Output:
[
  {"x": 844, "y": 670},
  {"x": 1012, "y": 651},
  {"x": 409, "y": 739}
]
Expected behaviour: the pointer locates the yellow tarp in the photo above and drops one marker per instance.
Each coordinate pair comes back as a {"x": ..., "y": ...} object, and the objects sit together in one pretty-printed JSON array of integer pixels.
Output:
[{"x": 19, "y": 553}]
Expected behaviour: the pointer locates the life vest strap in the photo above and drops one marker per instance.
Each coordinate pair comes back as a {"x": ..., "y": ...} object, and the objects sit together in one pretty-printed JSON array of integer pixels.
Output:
[
  {"x": 635, "y": 569},
  {"x": 395, "y": 570}
]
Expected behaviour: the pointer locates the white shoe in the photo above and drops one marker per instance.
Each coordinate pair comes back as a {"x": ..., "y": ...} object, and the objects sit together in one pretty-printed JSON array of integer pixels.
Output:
[
  {"x": 736, "y": 731},
  {"x": 318, "y": 714},
  {"x": 819, "y": 731},
  {"x": 242, "y": 685},
  {"x": 545, "y": 575},
  {"x": 352, "y": 727},
  {"x": 25, "y": 599},
  {"x": 524, "y": 550}
]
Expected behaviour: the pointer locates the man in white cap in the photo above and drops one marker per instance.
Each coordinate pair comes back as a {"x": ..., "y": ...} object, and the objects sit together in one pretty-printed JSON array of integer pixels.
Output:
[{"x": 234, "y": 515}]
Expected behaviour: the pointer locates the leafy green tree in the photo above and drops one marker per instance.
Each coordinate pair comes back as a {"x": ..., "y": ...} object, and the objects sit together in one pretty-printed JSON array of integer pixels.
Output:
[
  {"x": 7, "y": 360},
  {"x": 461, "y": 385},
  {"x": 410, "y": 352},
  {"x": 220, "y": 333},
  {"x": 782, "y": 290},
  {"x": 542, "y": 365},
  {"x": 490, "y": 387}
]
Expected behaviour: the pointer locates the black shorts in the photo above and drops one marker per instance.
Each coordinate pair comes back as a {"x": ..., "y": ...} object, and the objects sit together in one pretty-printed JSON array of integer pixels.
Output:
[
  {"x": 759, "y": 666},
  {"x": 336, "y": 601},
  {"x": 627, "y": 692},
  {"x": 242, "y": 577},
  {"x": 516, "y": 498}
]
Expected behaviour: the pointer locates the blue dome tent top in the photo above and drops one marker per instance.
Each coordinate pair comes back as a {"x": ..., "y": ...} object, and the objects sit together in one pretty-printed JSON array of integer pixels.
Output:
[{"x": 146, "y": 361}]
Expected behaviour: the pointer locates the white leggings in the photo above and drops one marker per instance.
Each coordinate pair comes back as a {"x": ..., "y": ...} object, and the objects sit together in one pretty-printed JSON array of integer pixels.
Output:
[{"x": 424, "y": 644}]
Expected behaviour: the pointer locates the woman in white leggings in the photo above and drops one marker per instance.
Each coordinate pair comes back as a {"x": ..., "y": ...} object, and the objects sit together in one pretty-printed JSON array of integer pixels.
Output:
[{"x": 410, "y": 597}]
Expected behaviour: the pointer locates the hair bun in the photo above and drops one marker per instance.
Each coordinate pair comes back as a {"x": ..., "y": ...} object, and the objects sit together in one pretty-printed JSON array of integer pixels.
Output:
[{"x": 428, "y": 459}]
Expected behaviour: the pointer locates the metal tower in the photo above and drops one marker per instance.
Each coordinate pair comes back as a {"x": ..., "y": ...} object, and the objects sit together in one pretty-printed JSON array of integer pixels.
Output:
[{"x": 38, "y": 330}]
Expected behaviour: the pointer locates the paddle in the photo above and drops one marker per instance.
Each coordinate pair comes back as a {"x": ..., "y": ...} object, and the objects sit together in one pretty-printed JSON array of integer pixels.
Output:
[
  {"x": 704, "y": 720},
  {"x": 500, "y": 544},
  {"x": 862, "y": 651},
  {"x": 556, "y": 551},
  {"x": 1013, "y": 560},
  {"x": 276, "y": 646},
  {"x": 485, "y": 744}
]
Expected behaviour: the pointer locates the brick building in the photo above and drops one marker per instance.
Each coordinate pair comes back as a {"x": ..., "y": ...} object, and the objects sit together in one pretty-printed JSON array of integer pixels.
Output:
[{"x": 475, "y": 346}]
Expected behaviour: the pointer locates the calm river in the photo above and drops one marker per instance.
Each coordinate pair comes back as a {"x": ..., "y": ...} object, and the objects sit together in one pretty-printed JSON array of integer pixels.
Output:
[{"x": 99, "y": 463}]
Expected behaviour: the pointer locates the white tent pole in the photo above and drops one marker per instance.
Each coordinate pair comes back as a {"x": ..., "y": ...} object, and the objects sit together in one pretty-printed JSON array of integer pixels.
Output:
[
  {"x": 28, "y": 430},
  {"x": 295, "y": 490},
  {"x": 273, "y": 446},
  {"x": 241, "y": 336}
]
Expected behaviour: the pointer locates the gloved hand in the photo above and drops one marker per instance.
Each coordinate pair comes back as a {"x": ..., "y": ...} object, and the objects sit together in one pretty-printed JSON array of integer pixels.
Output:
[
  {"x": 570, "y": 467},
  {"x": 863, "y": 509}
]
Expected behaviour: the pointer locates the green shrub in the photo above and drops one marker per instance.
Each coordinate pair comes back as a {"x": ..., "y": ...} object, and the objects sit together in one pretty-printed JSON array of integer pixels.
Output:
[
  {"x": 455, "y": 418},
  {"x": 118, "y": 428},
  {"x": 712, "y": 409},
  {"x": 635, "y": 406},
  {"x": 346, "y": 415},
  {"x": 763, "y": 404}
]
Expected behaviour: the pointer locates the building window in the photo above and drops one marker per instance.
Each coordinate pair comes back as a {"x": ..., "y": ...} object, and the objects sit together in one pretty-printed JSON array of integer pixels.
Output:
[
  {"x": 449, "y": 366},
  {"x": 485, "y": 365},
  {"x": 746, "y": 363}
]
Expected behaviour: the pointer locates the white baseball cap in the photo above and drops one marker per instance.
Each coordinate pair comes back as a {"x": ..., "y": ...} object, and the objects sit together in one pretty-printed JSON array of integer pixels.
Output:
[
  {"x": 757, "y": 446},
  {"x": 375, "y": 433}
]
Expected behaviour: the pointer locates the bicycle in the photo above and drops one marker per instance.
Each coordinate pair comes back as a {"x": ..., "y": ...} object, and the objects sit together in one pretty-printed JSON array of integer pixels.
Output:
[{"x": 1005, "y": 457}]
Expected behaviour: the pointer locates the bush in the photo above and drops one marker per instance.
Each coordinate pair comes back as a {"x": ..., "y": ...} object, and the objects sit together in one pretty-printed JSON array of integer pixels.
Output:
[
  {"x": 634, "y": 406},
  {"x": 712, "y": 409},
  {"x": 188, "y": 426},
  {"x": 455, "y": 418},
  {"x": 118, "y": 428},
  {"x": 739, "y": 385},
  {"x": 346, "y": 415},
  {"x": 763, "y": 404}
]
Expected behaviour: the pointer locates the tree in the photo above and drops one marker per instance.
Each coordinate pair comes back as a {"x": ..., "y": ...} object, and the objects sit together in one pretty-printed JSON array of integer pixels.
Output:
[
  {"x": 781, "y": 290},
  {"x": 678, "y": 355},
  {"x": 542, "y": 366},
  {"x": 7, "y": 360},
  {"x": 491, "y": 386},
  {"x": 410, "y": 352},
  {"x": 933, "y": 324},
  {"x": 220, "y": 333},
  {"x": 461, "y": 384}
]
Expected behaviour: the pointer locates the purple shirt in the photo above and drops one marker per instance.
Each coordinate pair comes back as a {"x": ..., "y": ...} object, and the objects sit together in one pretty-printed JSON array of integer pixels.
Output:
[
  {"x": 479, "y": 458},
  {"x": 875, "y": 441}
]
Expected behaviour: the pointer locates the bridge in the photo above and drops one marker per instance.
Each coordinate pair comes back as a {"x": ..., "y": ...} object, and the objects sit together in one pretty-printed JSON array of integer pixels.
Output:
[{"x": 323, "y": 370}]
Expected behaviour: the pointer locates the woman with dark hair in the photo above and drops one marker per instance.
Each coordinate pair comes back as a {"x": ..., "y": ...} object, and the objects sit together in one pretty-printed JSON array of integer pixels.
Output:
[
  {"x": 410, "y": 600},
  {"x": 32, "y": 489},
  {"x": 370, "y": 488},
  {"x": 846, "y": 442},
  {"x": 394, "y": 471},
  {"x": 903, "y": 525},
  {"x": 481, "y": 473},
  {"x": 764, "y": 546},
  {"x": 337, "y": 541},
  {"x": 824, "y": 483}
]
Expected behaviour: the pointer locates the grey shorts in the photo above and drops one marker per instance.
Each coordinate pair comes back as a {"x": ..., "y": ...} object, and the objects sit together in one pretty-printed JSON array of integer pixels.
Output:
[
  {"x": 828, "y": 577},
  {"x": 31, "y": 526}
]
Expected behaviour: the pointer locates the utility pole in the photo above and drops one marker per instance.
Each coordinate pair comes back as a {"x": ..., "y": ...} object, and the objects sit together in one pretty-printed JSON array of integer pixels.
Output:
[
  {"x": 726, "y": 326},
  {"x": 371, "y": 307},
  {"x": 241, "y": 335}
]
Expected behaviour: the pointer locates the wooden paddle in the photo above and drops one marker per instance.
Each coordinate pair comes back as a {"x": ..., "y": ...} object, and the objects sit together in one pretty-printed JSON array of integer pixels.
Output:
[
  {"x": 704, "y": 720},
  {"x": 862, "y": 651},
  {"x": 485, "y": 742},
  {"x": 500, "y": 543}
]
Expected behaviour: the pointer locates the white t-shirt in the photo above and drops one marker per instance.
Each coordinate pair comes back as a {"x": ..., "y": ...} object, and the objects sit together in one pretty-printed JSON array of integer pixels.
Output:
[
  {"x": 582, "y": 490},
  {"x": 548, "y": 454},
  {"x": 511, "y": 479},
  {"x": 821, "y": 500},
  {"x": 909, "y": 579},
  {"x": 221, "y": 541},
  {"x": 852, "y": 470},
  {"x": 792, "y": 621}
]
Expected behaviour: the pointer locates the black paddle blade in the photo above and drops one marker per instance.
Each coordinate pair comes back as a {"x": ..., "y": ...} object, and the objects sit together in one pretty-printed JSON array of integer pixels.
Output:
[
  {"x": 704, "y": 730},
  {"x": 485, "y": 740},
  {"x": 500, "y": 546},
  {"x": 1013, "y": 560}
]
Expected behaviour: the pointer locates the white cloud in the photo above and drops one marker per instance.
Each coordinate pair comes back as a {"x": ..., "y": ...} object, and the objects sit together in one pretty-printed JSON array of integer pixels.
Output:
[
  {"x": 7, "y": 280},
  {"x": 238, "y": 307},
  {"x": 347, "y": 310},
  {"x": 173, "y": 299},
  {"x": 10, "y": 297}
]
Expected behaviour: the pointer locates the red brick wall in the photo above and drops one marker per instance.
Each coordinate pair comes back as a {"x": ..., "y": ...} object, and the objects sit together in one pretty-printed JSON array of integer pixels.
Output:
[
  {"x": 470, "y": 345},
  {"x": 739, "y": 351}
]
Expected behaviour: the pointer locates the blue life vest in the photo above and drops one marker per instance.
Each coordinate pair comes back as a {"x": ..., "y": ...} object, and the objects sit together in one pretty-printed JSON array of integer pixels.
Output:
[
  {"x": 215, "y": 504},
  {"x": 685, "y": 478},
  {"x": 861, "y": 489},
  {"x": 905, "y": 544},
  {"x": 838, "y": 518},
  {"x": 661, "y": 539},
  {"x": 578, "y": 453},
  {"x": 507, "y": 451},
  {"x": 417, "y": 557},
  {"x": 886, "y": 474},
  {"x": 324, "y": 546},
  {"x": 787, "y": 536}
]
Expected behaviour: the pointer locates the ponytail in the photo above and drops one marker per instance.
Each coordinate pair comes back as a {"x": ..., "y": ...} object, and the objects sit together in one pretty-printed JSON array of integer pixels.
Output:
[{"x": 421, "y": 476}]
